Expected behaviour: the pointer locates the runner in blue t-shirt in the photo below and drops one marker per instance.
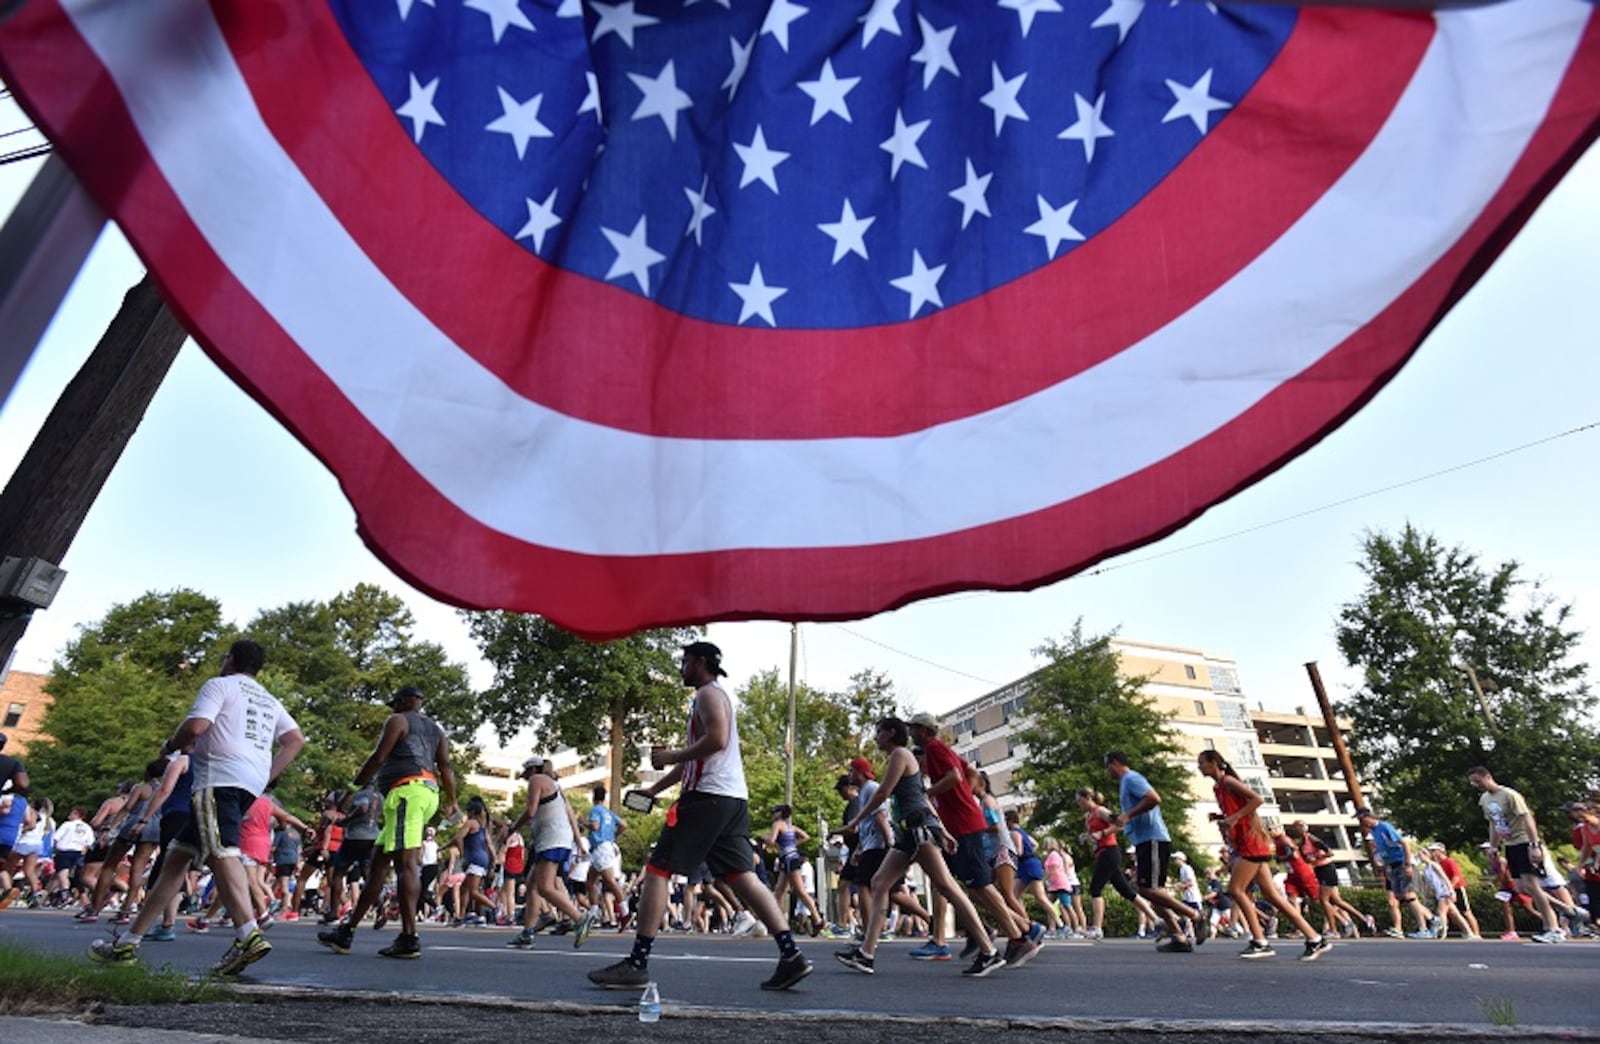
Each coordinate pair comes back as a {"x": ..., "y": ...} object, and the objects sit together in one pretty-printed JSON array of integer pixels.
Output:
[
  {"x": 605, "y": 859},
  {"x": 1143, "y": 826}
]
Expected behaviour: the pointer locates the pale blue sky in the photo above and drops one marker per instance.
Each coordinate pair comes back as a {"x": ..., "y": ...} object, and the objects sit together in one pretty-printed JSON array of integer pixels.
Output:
[{"x": 1517, "y": 361}]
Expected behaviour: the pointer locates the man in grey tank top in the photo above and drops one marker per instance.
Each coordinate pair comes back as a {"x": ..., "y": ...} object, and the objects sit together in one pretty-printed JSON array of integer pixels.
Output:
[{"x": 411, "y": 763}]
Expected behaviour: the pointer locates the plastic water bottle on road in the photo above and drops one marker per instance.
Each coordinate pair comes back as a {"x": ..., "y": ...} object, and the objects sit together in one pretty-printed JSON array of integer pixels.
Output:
[{"x": 650, "y": 1004}]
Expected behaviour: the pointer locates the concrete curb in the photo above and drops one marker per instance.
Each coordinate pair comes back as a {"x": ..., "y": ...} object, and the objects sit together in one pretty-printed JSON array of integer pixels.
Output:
[{"x": 1076, "y": 1024}]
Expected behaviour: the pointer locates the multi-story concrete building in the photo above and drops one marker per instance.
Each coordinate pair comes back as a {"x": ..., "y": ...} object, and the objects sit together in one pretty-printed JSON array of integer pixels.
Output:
[
  {"x": 497, "y": 776},
  {"x": 1306, "y": 780},
  {"x": 1201, "y": 694}
]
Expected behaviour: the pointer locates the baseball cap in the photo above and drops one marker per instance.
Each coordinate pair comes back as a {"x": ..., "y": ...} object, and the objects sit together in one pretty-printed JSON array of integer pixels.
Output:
[
  {"x": 535, "y": 762},
  {"x": 1180, "y": 857},
  {"x": 926, "y": 720},
  {"x": 842, "y": 782},
  {"x": 708, "y": 652},
  {"x": 1437, "y": 846},
  {"x": 410, "y": 692},
  {"x": 863, "y": 766}
]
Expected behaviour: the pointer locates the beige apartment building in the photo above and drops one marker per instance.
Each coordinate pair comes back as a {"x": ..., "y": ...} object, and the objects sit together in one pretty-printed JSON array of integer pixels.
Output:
[{"x": 1202, "y": 695}]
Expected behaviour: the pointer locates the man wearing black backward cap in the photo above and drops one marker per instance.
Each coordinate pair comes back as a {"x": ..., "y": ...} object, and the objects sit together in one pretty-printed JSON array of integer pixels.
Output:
[
  {"x": 709, "y": 823},
  {"x": 411, "y": 763}
]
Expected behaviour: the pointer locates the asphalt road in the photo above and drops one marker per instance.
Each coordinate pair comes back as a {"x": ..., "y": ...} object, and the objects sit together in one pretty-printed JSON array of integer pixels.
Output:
[{"x": 1368, "y": 981}]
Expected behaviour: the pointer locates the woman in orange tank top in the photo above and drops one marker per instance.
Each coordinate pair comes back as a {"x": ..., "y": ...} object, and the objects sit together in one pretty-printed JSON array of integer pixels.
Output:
[{"x": 1252, "y": 859}]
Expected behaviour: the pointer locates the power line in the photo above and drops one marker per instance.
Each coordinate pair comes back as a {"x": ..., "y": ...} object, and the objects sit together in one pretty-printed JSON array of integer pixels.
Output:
[
  {"x": 1229, "y": 536},
  {"x": 32, "y": 152},
  {"x": 914, "y": 656},
  {"x": 1347, "y": 500}
]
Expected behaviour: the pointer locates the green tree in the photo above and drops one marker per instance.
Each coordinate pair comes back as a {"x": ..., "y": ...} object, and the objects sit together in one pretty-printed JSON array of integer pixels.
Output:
[
  {"x": 120, "y": 688},
  {"x": 1426, "y": 613},
  {"x": 125, "y": 683},
  {"x": 581, "y": 694},
  {"x": 336, "y": 664},
  {"x": 1080, "y": 706},
  {"x": 826, "y": 737}
]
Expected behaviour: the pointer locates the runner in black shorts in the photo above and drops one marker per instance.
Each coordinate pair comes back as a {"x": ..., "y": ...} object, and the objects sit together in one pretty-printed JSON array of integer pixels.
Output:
[{"x": 710, "y": 823}]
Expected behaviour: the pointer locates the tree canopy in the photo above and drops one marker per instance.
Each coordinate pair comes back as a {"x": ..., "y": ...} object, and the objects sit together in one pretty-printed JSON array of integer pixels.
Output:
[
  {"x": 829, "y": 730},
  {"x": 123, "y": 685},
  {"x": 1426, "y": 614},
  {"x": 581, "y": 694},
  {"x": 1080, "y": 706}
]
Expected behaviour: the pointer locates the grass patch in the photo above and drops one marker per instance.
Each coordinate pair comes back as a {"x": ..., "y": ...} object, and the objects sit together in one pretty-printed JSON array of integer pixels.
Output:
[
  {"x": 37, "y": 982},
  {"x": 1500, "y": 1011}
]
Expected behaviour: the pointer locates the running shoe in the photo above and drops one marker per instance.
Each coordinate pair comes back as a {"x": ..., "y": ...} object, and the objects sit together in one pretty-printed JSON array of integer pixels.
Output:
[
  {"x": 404, "y": 947},
  {"x": 339, "y": 938},
  {"x": 8, "y": 897},
  {"x": 984, "y": 964},
  {"x": 585, "y": 925},
  {"x": 1394, "y": 933},
  {"x": 790, "y": 971},
  {"x": 243, "y": 953},
  {"x": 523, "y": 940},
  {"x": 970, "y": 949},
  {"x": 161, "y": 933},
  {"x": 1437, "y": 927},
  {"x": 123, "y": 918},
  {"x": 1257, "y": 949},
  {"x": 1020, "y": 952},
  {"x": 1035, "y": 932},
  {"x": 1425, "y": 933},
  {"x": 624, "y": 975},
  {"x": 112, "y": 951},
  {"x": 85, "y": 916},
  {"x": 562, "y": 927},
  {"x": 855, "y": 959},
  {"x": 198, "y": 924},
  {"x": 1548, "y": 937},
  {"x": 1510, "y": 937},
  {"x": 1174, "y": 944},
  {"x": 1202, "y": 930},
  {"x": 1316, "y": 949},
  {"x": 931, "y": 951}
]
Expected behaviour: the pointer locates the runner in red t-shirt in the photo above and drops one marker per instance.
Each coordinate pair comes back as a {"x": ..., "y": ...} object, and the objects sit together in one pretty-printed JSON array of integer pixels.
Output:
[
  {"x": 958, "y": 810},
  {"x": 1458, "y": 884}
]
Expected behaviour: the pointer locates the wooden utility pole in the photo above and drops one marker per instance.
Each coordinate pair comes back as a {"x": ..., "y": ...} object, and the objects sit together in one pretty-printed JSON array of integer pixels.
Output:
[
  {"x": 1346, "y": 766},
  {"x": 64, "y": 470}
]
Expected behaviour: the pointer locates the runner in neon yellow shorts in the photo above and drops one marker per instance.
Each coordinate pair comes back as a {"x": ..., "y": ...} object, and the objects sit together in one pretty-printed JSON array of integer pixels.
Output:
[{"x": 407, "y": 807}]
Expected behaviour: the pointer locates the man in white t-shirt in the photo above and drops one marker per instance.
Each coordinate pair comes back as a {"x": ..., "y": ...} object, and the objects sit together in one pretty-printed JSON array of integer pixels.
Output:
[{"x": 230, "y": 731}]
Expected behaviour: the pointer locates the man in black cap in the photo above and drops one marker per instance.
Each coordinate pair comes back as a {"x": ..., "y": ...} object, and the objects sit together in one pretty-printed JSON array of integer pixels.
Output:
[
  {"x": 411, "y": 763},
  {"x": 709, "y": 823}
]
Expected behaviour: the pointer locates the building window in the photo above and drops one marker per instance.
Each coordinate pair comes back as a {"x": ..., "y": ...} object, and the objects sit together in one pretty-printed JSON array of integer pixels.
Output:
[
  {"x": 1233, "y": 715},
  {"x": 1200, "y": 708},
  {"x": 1244, "y": 752},
  {"x": 1188, "y": 671},
  {"x": 1260, "y": 786},
  {"x": 14, "y": 714},
  {"x": 1224, "y": 679}
]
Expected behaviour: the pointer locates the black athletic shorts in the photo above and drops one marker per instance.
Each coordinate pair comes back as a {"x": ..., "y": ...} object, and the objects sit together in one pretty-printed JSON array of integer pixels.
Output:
[
  {"x": 705, "y": 828},
  {"x": 1520, "y": 862},
  {"x": 214, "y": 817},
  {"x": 1150, "y": 863},
  {"x": 1327, "y": 876},
  {"x": 867, "y": 868}
]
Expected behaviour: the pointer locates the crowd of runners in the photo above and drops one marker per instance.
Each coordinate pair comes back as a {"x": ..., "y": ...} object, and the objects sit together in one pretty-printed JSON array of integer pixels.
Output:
[{"x": 200, "y": 842}]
